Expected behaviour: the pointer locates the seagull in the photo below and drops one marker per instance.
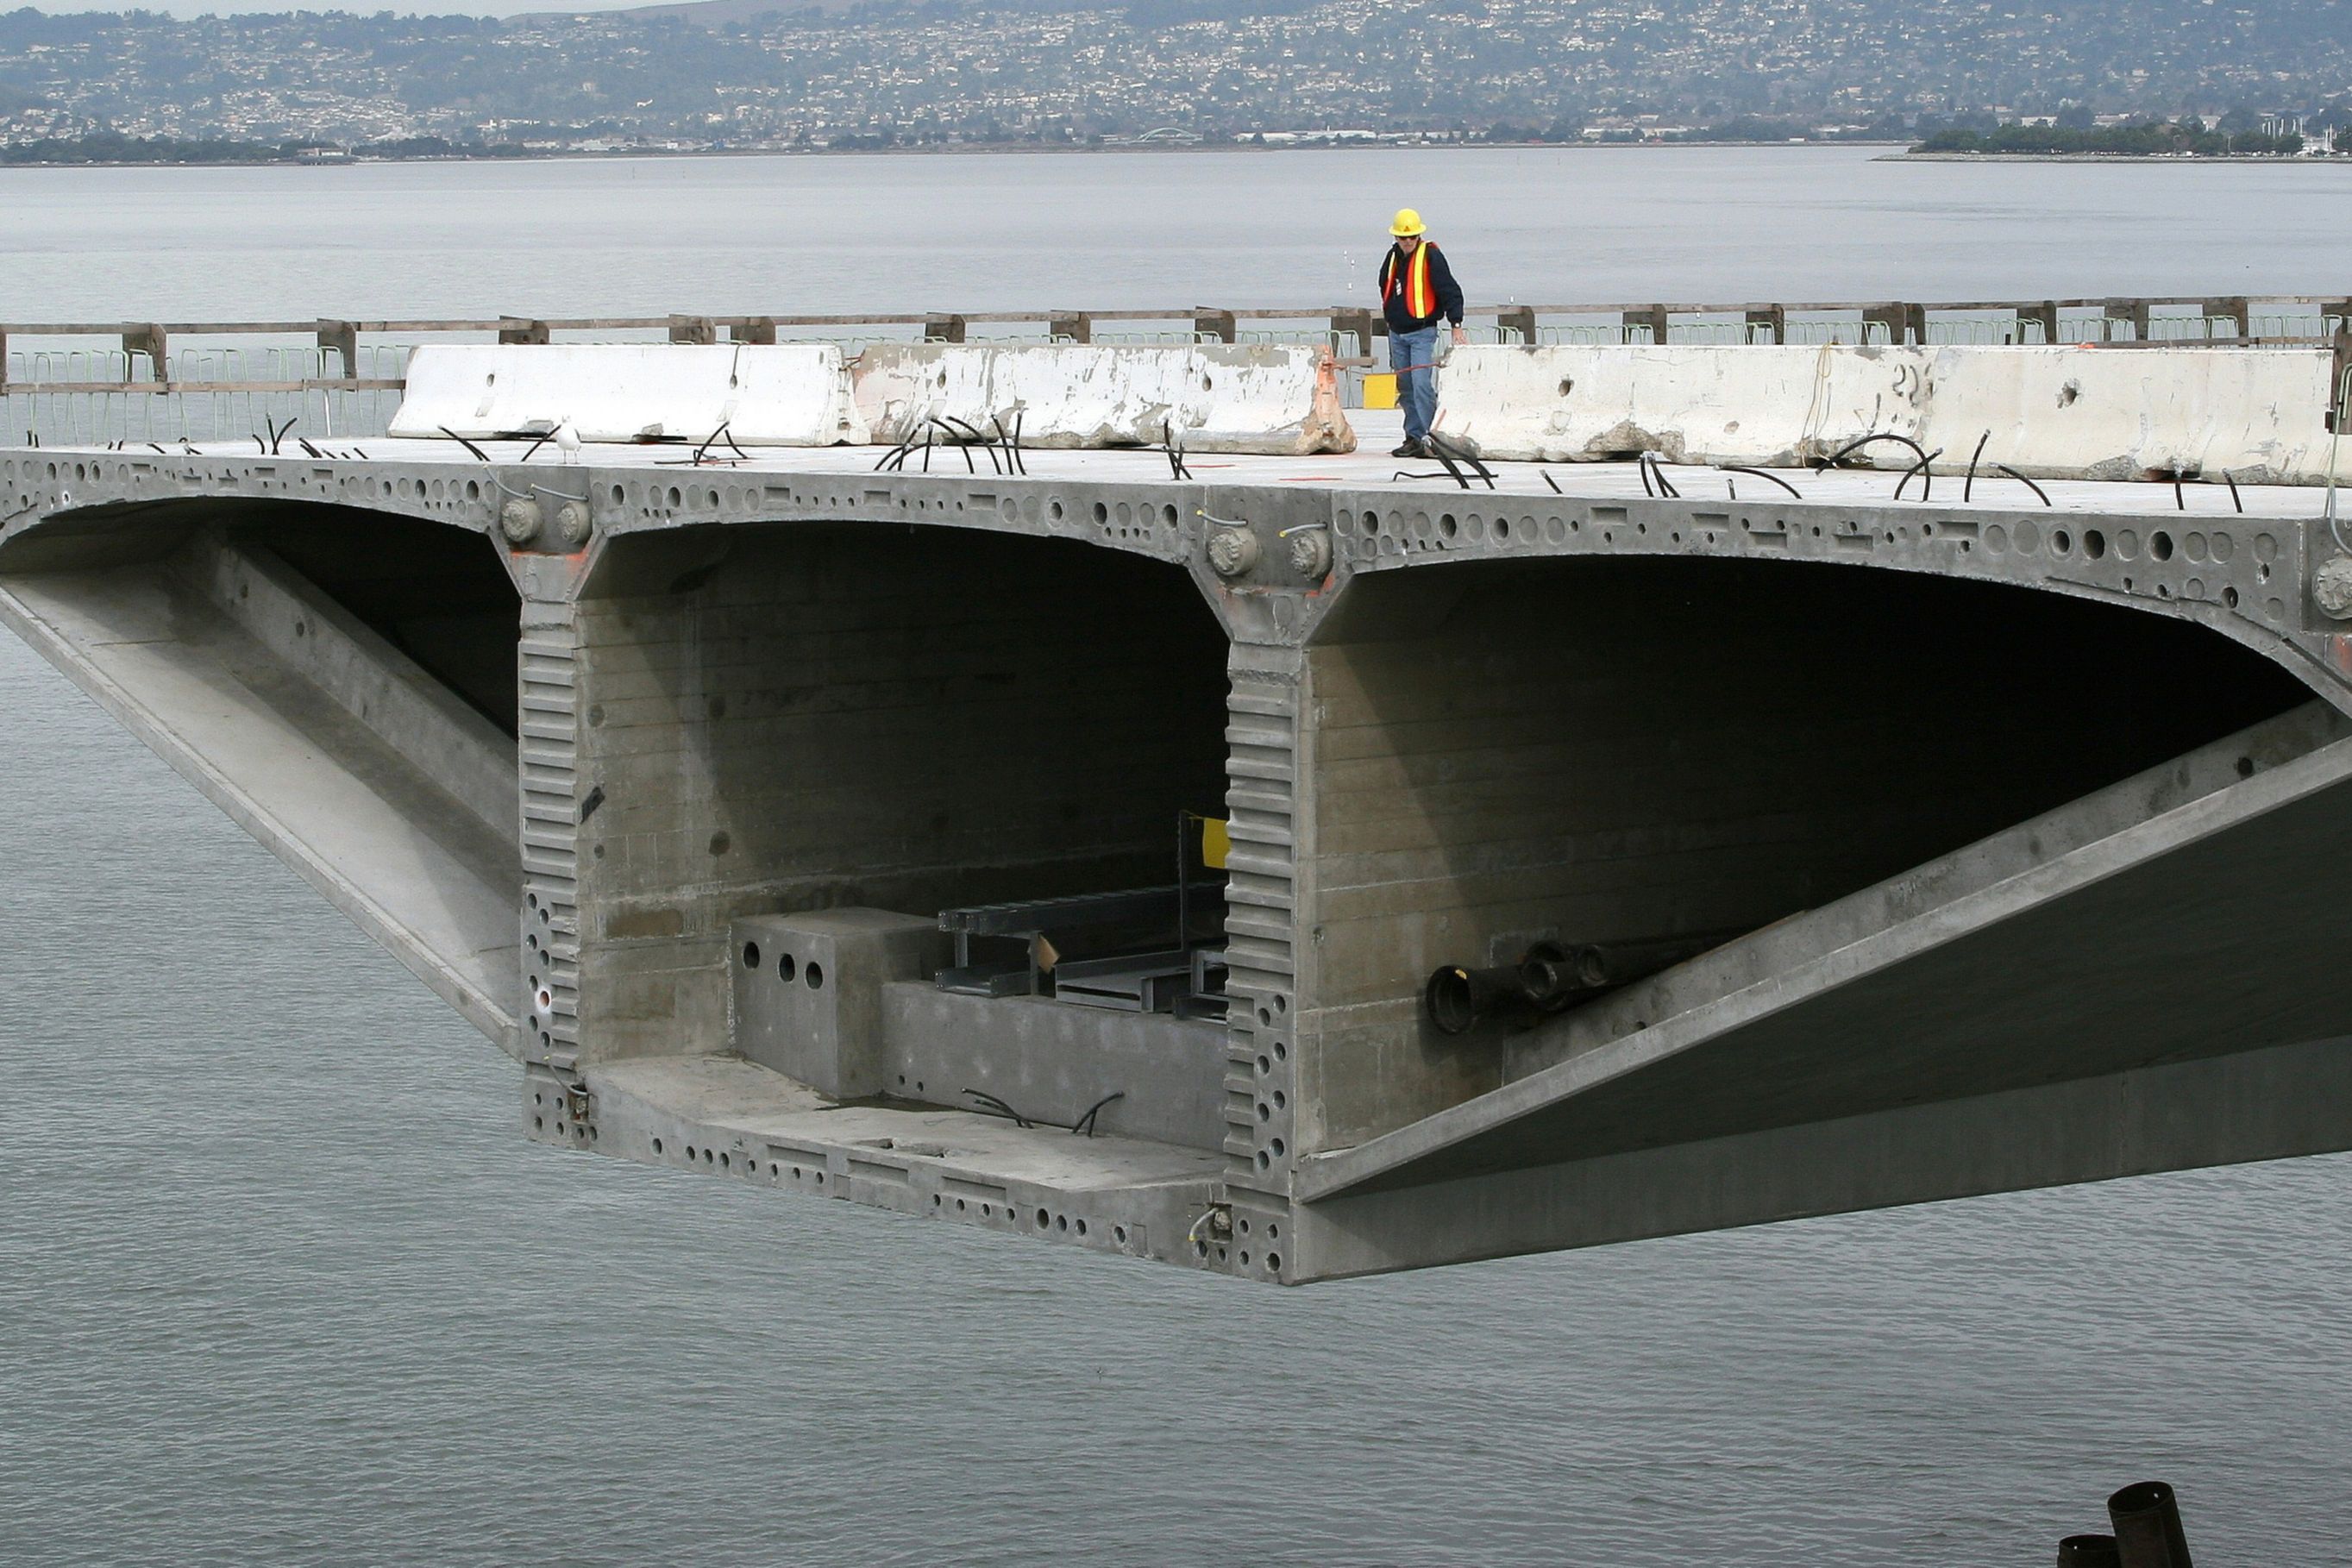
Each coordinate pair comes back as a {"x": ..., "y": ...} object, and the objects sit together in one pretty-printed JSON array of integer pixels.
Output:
[{"x": 567, "y": 439}]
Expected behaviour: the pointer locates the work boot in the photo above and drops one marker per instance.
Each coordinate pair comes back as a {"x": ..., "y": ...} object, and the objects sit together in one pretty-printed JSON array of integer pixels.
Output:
[{"x": 1412, "y": 449}]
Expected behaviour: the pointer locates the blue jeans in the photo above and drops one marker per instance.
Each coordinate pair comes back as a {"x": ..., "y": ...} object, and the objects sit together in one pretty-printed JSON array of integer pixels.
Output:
[{"x": 1416, "y": 386}]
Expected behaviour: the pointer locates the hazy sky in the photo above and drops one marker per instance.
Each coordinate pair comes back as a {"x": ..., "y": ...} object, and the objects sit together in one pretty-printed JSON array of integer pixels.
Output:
[{"x": 364, "y": 8}]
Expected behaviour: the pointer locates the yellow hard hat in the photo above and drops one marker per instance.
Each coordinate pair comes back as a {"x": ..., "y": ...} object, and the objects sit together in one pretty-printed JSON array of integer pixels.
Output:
[{"x": 1407, "y": 223}]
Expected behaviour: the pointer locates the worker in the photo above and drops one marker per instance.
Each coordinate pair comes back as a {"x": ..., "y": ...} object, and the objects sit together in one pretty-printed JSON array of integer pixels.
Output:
[{"x": 1416, "y": 288}]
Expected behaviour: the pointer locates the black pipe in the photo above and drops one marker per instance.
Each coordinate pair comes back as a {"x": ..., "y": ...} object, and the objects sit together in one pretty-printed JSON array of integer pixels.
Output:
[
  {"x": 2146, "y": 1518},
  {"x": 2088, "y": 1552},
  {"x": 1551, "y": 977},
  {"x": 1460, "y": 999}
]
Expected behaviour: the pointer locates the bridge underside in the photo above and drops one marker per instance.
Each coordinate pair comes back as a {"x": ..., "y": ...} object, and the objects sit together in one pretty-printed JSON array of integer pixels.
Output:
[{"x": 840, "y": 853}]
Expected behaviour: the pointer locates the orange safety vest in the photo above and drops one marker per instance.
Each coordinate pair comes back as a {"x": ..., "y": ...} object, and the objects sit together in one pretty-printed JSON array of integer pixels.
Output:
[{"x": 1420, "y": 299}]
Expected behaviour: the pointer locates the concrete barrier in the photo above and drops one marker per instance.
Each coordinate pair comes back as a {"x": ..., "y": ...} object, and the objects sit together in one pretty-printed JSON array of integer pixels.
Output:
[
  {"x": 2054, "y": 413},
  {"x": 1215, "y": 398},
  {"x": 2131, "y": 414},
  {"x": 784, "y": 394},
  {"x": 1769, "y": 405}
]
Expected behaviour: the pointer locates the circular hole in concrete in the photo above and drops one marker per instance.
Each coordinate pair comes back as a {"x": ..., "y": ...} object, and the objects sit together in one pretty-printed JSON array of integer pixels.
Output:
[
  {"x": 2160, "y": 546},
  {"x": 784, "y": 967},
  {"x": 1274, "y": 1262},
  {"x": 815, "y": 972},
  {"x": 657, "y": 1149},
  {"x": 2094, "y": 543},
  {"x": 750, "y": 955}
]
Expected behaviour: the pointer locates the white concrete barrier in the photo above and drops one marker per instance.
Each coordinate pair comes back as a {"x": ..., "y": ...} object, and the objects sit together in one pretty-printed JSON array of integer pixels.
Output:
[
  {"x": 1214, "y": 398},
  {"x": 781, "y": 394},
  {"x": 2056, "y": 413},
  {"x": 2132, "y": 414},
  {"x": 1769, "y": 405}
]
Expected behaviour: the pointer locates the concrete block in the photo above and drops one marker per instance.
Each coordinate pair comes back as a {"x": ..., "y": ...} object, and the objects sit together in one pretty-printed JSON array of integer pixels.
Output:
[
  {"x": 1261, "y": 399},
  {"x": 1053, "y": 1062},
  {"x": 788, "y": 395},
  {"x": 2053, "y": 413},
  {"x": 1765, "y": 404},
  {"x": 808, "y": 990},
  {"x": 2127, "y": 415}
]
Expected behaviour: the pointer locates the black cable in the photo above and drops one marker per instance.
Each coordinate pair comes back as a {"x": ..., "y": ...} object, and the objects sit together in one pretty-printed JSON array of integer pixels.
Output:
[
  {"x": 1761, "y": 474},
  {"x": 990, "y": 1103},
  {"x": 477, "y": 452},
  {"x": 1085, "y": 1123},
  {"x": 2020, "y": 479},
  {"x": 1927, "y": 479}
]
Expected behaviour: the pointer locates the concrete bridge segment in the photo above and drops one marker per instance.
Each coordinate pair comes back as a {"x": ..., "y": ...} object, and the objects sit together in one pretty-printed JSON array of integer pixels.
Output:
[{"x": 2034, "y": 840}]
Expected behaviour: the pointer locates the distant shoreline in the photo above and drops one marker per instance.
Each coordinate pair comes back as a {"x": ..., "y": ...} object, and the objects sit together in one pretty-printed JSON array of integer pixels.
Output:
[
  {"x": 2167, "y": 159},
  {"x": 961, "y": 150}
]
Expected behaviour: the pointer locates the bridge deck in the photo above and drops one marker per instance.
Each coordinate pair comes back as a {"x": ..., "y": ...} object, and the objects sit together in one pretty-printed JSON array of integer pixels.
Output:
[{"x": 1370, "y": 466}]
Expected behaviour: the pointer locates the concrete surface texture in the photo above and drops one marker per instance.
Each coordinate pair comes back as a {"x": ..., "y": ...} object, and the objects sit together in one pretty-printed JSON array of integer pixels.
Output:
[
  {"x": 787, "y": 394},
  {"x": 2261, "y": 415},
  {"x": 2007, "y": 823},
  {"x": 1265, "y": 399}
]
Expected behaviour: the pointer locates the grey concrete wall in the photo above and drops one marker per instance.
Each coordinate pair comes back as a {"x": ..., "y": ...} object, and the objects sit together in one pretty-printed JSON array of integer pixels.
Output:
[
  {"x": 801, "y": 717},
  {"x": 1627, "y": 750},
  {"x": 383, "y": 688},
  {"x": 436, "y": 593}
]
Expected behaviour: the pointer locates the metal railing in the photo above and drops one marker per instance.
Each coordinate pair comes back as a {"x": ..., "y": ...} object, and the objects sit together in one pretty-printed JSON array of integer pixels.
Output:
[{"x": 161, "y": 382}]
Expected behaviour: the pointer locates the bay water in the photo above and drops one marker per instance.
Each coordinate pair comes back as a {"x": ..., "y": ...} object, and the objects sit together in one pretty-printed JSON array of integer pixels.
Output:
[{"x": 282, "y": 1283}]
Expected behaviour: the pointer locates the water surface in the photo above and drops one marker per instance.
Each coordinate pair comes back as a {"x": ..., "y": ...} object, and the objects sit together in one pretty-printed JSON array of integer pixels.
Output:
[{"x": 280, "y": 1283}]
